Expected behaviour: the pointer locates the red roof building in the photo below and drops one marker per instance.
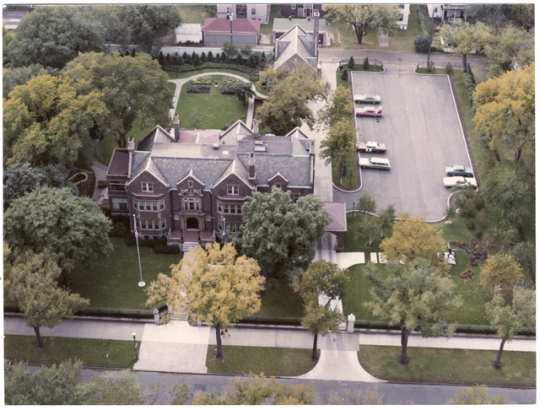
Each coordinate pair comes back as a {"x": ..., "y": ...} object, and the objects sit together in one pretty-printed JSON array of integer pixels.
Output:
[{"x": 239, "y": 31}]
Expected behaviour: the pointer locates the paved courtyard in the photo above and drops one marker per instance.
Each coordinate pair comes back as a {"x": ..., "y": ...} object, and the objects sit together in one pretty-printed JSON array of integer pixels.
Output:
[{"x": 423, "y": 135}]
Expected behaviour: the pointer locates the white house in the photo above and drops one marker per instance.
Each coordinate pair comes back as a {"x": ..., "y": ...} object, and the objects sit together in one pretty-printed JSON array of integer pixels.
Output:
[
  {"x": 403, "y": 20},
  {"x": 256, "y": 11},
  {"x": 447, "y": 12},
  {"x": 189, "y": 32}
]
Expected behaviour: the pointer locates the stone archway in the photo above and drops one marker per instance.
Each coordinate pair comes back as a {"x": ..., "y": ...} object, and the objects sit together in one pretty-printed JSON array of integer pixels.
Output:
[{"x": 192, "y": 223}]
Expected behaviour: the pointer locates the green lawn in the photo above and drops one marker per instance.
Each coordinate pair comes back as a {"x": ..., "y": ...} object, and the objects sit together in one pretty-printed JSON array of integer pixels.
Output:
[
  {"x": 472, "y": 310},
  {"x": 174, "y": 76},
  {"x": 113, "y": 282},
  {"x": 271, "y": 361},
  {"x": 267, "y": 28},
  {"x": 191, "y": 13},
  {"x": 350, "y": 180},
  {"x": 455, "y": 366},
  {"x": 209, "y": 111},
  {"x": 92, "y": 352},
  {"x": 281, "y": 301}
]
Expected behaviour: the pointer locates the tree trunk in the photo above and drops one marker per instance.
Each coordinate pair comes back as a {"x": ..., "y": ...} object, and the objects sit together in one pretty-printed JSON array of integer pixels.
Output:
[
  {"x": 464, "y": 63},
  {"x": 122, "y": 141},
  {"x": 219, "y": 350},
  {"x": 40, "y": 343},
  {"x": 403, "y": 359},
  {"x": 359, "y": 33},
  {"x": 497, "y": 363},
  {"x": 314, "y": 356}
]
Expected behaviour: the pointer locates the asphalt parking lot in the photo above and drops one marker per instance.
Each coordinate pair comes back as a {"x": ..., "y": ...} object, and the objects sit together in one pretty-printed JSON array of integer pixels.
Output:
[{"x": 423, "y": 135}]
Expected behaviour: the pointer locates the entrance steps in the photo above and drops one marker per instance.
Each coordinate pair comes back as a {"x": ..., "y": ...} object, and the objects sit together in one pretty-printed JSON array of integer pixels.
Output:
[{"x": 189, "y": 246}]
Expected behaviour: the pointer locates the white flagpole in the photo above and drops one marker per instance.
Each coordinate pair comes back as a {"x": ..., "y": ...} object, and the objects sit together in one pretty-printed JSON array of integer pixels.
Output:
[{"x": 141, "y": 283}]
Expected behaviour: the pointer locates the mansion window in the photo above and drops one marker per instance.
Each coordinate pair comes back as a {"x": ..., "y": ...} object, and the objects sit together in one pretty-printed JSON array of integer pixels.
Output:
[
  {"x": 147, "y": 186},
  {"x": 233, "y": 189},
  {"x": 232, "y": 227},
  {"x": 230, "y": 209},
  {"x": 119, "y": 204},
  {"x": 278, "y": 186},
  {"x": 154, "y": 224},
  {"x": 253, "y": 11},
  {"x": 190, "y": 184},
  {"x": 192, "y": 204},
  {"x": 118, "y": 186},
  {"x": 296, "y": 197},
  {"x": 153, "y": 206}
]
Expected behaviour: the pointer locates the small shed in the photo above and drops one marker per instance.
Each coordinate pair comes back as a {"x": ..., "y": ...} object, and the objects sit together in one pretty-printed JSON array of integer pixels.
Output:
[
  {"x": 189, "y": 32},
  {"x": 338, "y": 226}
]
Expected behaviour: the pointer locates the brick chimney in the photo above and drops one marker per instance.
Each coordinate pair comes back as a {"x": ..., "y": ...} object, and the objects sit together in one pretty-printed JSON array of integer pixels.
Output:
[
  {"x": 316, "y": 33},
  {"x": 131, "y": 144},
  {"x": 251, "y": 168},
  {"x": 176, "y": 128}
]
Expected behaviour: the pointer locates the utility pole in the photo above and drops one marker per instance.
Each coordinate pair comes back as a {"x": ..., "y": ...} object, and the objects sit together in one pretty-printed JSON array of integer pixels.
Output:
[{"x": 430, "y": 37}]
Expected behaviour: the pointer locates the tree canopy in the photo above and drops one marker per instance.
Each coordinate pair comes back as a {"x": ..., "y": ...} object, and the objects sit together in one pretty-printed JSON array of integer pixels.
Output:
[
  {"x": 413, "y": 296},
  {"x": 414, "y": 238},
  {"x": 48, "y": 121},
  {"x": 287, "y": 105},
  {"x": 33, "y": 286},
  {"x": 338, "y": 143},
  {"x": 53, "y": 218},
  {"x": 112, "y": 388},
  {"x": 212, "y": 285},
  {"x": 21, "y": 75},
  {"x": 280, "y": 234},
  {"x": 134, "y": 90},
  {"x": 478, "y": 395},
  {"x": 509, "y": 47},
  {"x": 509, "y": 317},
  {"x": 364, "y": 17},
  {"x": 147, "y": 23},
  {"x": 500, "y": 271},
  {"x": 466, "y": 37},
  {"x": 338, "y": 108},
  {"x": 53, "y": 35}
]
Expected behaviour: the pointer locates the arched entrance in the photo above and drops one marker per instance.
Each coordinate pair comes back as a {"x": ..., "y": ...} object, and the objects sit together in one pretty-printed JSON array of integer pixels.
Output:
[{"x": 192, "y": 223}]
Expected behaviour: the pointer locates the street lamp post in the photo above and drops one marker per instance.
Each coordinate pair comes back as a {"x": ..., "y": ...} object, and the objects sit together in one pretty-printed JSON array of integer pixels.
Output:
[
  {"x": 135, "y": 345},
  {"x": 354, "y": 209},
  {"x": 230, "y": 18},
  {"x": 430, "y": 37}
]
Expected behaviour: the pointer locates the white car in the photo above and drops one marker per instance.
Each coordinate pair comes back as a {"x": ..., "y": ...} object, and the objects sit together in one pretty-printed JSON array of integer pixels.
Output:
[{"x": 450, "y": 182}]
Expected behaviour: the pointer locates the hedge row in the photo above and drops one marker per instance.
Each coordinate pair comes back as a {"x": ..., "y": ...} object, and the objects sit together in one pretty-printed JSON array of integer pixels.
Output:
[
  {"x": 251, "y": 72},
  {"x": 129, "y": 239}
]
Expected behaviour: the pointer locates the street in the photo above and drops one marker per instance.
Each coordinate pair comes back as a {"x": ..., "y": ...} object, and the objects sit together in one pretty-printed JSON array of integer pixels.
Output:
[{"x": 389, "y": 393}]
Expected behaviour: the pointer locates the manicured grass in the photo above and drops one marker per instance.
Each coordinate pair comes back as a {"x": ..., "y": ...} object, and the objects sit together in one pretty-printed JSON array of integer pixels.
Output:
[
  {"x": 349, "y": 181},
  {"x": 92, "y": 352},
  {"x": 191, "y": 13},
  {"x": 271, "y": 361},
  {"x": 112, "y": 283},
  {"x": 267, "y": 28},
  {"x": 209, "y": 111},
  {"x": 281, "y": 301},
  {"x": 340, "y": 81},
  {"x": 456, "y": 366}
]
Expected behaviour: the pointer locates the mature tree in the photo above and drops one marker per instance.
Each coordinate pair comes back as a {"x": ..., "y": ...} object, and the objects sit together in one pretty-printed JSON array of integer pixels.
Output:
[
  {"x": 280, "y": 234},
  {"x": 364, "y": 17},
  {"x": 414, "y": 238},
  {"x": 33, "y": 286},
  {"x": 500, "y": 271},
  {"x": 509, "y": 317},
  {"x": 20, "y": 179},
  {"x": 112, "y": 388},
  {"x": 117, "y": 30},
  {"x": 478, "y": 395},
  {"x": 135, "y": 91},
  {"x": 213, "y": 285},
  {"x": 48, "y": 120},
  {"x": 466, "y": 37},
  {"x": 506, "y": 112},
  {"x": 322, "y": 281},
  {"x": 371, "y": 225},
  {"x": 521, "y": 14},
  {"x": 338, "y": 143},
  {"x": 52, "y": 36},
  {"x": 524, "y": 253},
  {"x": 242, "y": 90},
  {"x": 21, "y": 75},
  {"x": 269, "y": 77},
  {"x": 7, "y": 37},
  {"x": 493, "y": 15},
  {"x": 147, "y": 23},
  {"x": 339, "y": 107},
  {"x": 70, "y": 226},
  {"x": 287, "y": 104},
  {"x": 506, "y": 194},
  {"x": 387, "y": 217},
  {"x": 49, "y": 386},
  {"x": 510, "y": 47},
  {"x": 413, "y": 296},
  {"x": 180, "y": 394}
]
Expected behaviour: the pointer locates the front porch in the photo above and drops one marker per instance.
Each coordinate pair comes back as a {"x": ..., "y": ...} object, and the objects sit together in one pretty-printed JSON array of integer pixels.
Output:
[{"x": 178, "y": 236}]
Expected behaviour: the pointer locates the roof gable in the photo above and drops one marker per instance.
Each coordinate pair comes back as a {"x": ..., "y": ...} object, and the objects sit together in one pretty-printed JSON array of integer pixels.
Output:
[{"x": 223, "y": 25}]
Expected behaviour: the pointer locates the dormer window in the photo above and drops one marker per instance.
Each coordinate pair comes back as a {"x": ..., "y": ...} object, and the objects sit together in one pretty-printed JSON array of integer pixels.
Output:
[
  {"x": 190, "y": 184},
  {"x": 278, "y": 186},
  {"x": 233, "y": 190},
  {"x": 147, "y": 186}
]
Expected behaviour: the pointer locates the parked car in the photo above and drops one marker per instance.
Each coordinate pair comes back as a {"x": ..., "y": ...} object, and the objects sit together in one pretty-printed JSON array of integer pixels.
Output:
[
  {"x": 370, "y": 146},
  {"x": 450, "y": 182},
  {"x": 377, "y": 163},
  {"x": 367, "y": 99},
  {"x": 369, "y": 111},
  {"x": 459, "y": 171}
]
